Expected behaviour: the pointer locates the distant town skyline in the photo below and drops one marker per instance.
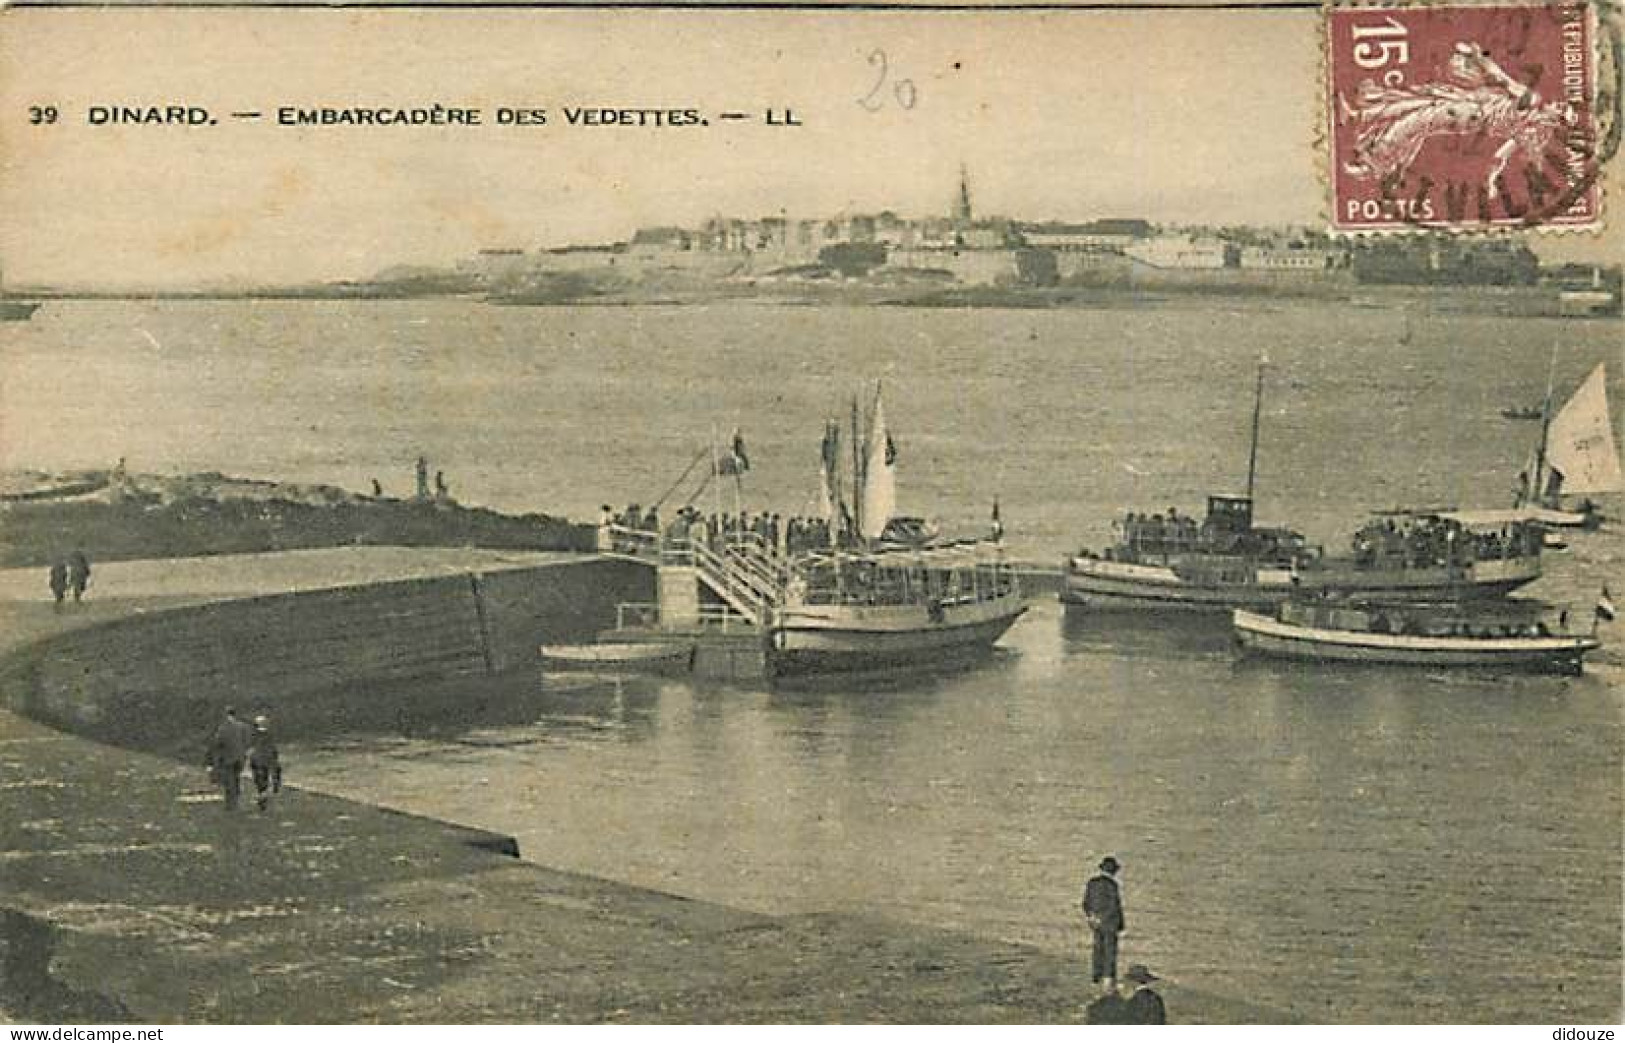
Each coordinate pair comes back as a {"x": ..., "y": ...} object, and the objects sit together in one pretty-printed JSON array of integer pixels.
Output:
[{"x": 1177, "y": 117}]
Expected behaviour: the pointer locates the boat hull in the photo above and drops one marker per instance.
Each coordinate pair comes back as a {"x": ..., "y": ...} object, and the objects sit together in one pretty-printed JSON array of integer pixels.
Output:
[
  {"x": 1097, "y": 584},
  {"x": 17, "y": 311},
  {"x": 627, "y": 655},
  {"x": 840, "y": 638},
  {"x": 1266, "y": 636}
]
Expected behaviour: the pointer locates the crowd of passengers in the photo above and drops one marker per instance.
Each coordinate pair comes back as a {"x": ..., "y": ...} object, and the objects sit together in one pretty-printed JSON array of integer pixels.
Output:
[
  {"x": 1159, "y": 533},
  {"x": 630, "y": 530},
  {"x": 1428, "y": 542},
  {"x": 1148, "y": 537},
  {"x": 862, "y": 582},
  {"x": 1385, "y": 623}
]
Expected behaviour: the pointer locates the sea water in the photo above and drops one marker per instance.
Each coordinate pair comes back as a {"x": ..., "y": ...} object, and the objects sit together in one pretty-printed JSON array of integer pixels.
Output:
[{"x": 1356, "y": 843}]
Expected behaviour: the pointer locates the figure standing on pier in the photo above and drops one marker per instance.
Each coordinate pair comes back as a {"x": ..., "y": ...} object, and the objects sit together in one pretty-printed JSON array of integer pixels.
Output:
[
  {"x": 423, "y": 478},
  {"x": 228, "y": 749},
  {"x": 1103, "y": 909},
  {"x": 59, "y": 582},
  {"x": 78, "y": 574},
  {"x": 1145, "y": 1007},
  {"x": 264, "y": 762}
]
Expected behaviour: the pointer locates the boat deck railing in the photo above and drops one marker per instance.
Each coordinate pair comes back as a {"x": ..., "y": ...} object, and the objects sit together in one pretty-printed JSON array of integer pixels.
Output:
[{"x": 640, "y": 615}]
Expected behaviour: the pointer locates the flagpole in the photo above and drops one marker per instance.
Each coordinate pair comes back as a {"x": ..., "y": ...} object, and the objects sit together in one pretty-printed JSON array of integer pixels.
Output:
[{"x": 716, "y": 490}]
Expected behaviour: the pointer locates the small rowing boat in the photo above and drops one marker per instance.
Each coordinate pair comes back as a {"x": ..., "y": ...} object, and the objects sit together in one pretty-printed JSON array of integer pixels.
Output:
[{"x": 620, "y": 655}]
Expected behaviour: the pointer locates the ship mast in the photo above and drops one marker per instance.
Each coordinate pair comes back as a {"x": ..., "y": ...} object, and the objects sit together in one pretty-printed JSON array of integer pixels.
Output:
[
  {"x": 1535, "y": 488},
  {"x": 1252, "y": 451},
  {"x": 857, "y": 472}
]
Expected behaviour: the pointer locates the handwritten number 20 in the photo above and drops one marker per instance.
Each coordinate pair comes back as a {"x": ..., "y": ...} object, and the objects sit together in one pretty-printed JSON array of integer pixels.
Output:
[{"x": 902, "y": 90}]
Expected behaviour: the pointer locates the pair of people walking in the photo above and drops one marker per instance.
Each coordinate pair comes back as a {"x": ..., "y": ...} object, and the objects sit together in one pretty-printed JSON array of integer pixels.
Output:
[
  {"x": 69, "y": 573},
  {"x": 1103, "y": 911},
  {"x": 236, "y": 742}
]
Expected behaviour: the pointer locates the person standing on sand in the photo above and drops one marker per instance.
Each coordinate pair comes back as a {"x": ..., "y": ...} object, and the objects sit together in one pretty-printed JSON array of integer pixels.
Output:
[
  {"x": 1103, "y": 909},
  {"x": 59, "y": 582},
  {"x": 264, "y": 762},
  {"x": 78, "y": 574},
  {"x": 228, "y": 749}
]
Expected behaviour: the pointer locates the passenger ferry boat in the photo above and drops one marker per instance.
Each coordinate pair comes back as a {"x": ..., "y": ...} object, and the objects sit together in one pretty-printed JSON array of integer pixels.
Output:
[
  {"x": 1438, "y": 636},
  {"x": 874, "y": 600},
  {"x": 1226, "y": 563},
  {"x": 1173, "y": 562},
  {"x": 893, "y": 607}
]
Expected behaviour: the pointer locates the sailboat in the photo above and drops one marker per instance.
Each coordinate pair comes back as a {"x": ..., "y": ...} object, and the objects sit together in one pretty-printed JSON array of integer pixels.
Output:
[
  {"x": 1576, "y": 457},
  {"x": 1225, "y": 561},
  {"x": 874, "y": 601}
]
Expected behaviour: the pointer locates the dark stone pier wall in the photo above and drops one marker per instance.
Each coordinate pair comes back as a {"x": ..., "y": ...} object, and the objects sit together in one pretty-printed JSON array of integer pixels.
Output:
[{"x": 143, "y": 678}]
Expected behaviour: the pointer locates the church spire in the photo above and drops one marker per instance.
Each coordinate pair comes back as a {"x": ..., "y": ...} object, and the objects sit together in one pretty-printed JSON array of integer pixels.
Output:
[{"x": 962, "y": 210}]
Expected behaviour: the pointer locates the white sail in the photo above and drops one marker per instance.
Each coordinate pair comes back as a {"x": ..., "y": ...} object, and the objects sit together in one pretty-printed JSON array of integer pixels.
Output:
[
  {"x": 879, "y": 476},
  {"x": 1580, "y": 440}
]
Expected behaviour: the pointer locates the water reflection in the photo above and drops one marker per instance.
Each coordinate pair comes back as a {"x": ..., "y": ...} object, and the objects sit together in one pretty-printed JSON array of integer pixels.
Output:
[{"x": 1271, "y": 817}]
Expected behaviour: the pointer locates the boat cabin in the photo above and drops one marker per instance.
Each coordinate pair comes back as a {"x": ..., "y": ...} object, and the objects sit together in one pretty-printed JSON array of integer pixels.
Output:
[
  {"x": 900, "y": 578},
  {"x": 1228, "y": 513},
  {"x": 1227, "y": 530}
]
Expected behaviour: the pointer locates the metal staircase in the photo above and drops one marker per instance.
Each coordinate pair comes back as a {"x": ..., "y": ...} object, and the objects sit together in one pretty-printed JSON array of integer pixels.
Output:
[
  {"x": 746, "y": 576},
  {"x": 739, "y": 568}
]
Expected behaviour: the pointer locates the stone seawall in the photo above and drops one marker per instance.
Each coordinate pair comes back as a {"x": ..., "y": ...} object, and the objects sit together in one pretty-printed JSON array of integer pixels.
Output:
[
  {"x": 164, "y": 673},
  {"x": 128, "y": 892}
]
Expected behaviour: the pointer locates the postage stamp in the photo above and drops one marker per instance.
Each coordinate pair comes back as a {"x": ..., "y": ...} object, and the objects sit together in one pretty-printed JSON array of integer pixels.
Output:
[{"x": 1463, "y": 117}]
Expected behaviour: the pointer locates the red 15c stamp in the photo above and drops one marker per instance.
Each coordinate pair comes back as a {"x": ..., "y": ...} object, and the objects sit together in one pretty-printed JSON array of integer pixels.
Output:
[{"x": 1467, "y": 118}]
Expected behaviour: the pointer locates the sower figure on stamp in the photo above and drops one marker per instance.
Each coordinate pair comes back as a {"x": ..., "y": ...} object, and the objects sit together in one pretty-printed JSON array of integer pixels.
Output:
[
  {"x": 264, "y": 762},
  {"x": 1103, "y": 909},
  {"x": 228, "y": 749}
]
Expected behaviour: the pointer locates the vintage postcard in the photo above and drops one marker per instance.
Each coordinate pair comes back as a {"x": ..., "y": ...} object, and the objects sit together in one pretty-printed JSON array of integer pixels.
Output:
[{"x": 811, "y": 515}]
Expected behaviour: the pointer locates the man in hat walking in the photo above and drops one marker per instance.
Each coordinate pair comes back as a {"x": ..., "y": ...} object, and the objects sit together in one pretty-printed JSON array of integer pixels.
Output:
[
  {"x": 264, "y": 762},
  {"x": 1103, "y": 909},
  {"x": 228, "y": 748}
]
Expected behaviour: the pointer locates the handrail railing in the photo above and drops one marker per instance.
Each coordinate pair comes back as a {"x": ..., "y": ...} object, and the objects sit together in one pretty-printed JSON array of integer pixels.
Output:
[
  {"x": 630, "y": 614},
  {"x": 732, "y": 582}
]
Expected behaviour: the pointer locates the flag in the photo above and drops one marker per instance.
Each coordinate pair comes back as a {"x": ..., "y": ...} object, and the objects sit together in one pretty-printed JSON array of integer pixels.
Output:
[
  {"x": 734, "y": 462},
  {"x": 829, "y": 454},
  {"x": 1605, "y": 606},
  {"x": 831, "y": 449}
]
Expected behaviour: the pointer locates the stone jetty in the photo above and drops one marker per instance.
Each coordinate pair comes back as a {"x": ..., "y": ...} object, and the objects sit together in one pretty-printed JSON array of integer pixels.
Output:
[{"x": 128, "y": 893}]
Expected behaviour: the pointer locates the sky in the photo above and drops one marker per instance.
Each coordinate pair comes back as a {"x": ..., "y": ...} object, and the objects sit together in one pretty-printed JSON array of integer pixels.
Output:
[{"x": 1201, "y": 117}]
